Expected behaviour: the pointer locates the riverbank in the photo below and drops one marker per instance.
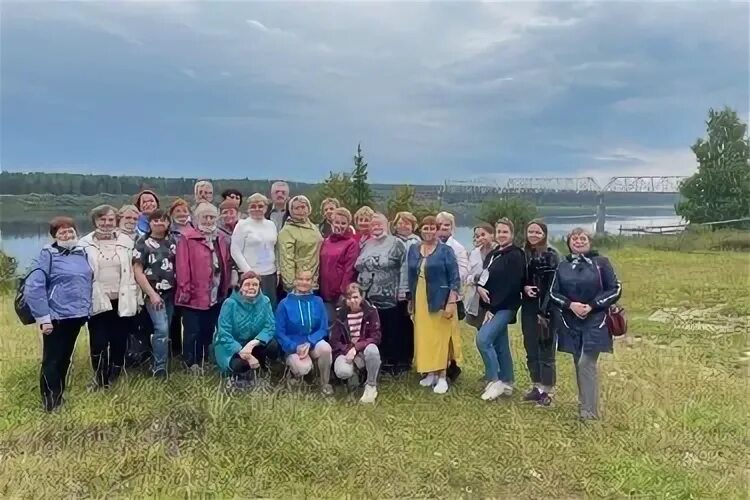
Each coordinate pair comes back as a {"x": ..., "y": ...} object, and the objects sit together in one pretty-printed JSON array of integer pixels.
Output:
[{"x": 675, "y": 417}]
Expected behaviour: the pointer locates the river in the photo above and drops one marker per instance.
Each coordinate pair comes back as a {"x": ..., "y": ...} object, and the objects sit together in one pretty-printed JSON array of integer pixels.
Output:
[{"x": 22, "y": 240}]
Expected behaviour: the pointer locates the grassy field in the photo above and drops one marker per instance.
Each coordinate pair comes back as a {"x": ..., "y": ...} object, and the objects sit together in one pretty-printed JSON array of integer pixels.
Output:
[{"x": 675, "y": 418}]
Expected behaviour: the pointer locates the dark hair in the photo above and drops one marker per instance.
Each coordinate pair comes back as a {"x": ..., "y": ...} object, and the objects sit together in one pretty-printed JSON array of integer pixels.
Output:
[
  {"x": 158, "y": 214},
  {"x": 140, "y": 195},
  {"x": 231, "y": 191},
  {"x": 101, "y": 211},
  {"x": 61, "y": 223},
  {"x": 429, "y": 220},
  {"x": 485, "y": 227},
  {"x": 542, "y": 244}
]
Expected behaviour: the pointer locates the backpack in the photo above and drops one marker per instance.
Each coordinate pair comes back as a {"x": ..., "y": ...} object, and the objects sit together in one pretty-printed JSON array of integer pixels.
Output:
[{"x": 23, "y": 311}]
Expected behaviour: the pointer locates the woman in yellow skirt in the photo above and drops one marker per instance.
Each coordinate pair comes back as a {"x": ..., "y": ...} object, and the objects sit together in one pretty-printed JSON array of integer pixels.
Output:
[{"x": 433, "y": 287}]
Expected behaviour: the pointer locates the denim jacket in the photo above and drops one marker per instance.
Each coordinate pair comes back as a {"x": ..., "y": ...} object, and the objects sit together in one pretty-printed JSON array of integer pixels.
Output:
[{"x": 441, "y": 275}]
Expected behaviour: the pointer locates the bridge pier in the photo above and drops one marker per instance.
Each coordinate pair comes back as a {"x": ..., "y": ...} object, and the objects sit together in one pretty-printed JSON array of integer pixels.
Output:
[{"x": 601, "y": 214}]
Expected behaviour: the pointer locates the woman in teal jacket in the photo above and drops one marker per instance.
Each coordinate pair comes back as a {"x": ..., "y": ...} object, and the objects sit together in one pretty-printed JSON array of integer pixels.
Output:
[
  {"x": 302, "y": 330},
  {"x": 245, "y": 330}
]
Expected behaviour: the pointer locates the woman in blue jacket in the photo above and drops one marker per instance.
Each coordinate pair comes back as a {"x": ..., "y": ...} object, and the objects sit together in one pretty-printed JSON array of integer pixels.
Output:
[
  {"x": 245, "y": 329},
  {"x": 302, "y": 330},
  {"x": 58, "y": 292},
  {"x": 584, "y": 287}
]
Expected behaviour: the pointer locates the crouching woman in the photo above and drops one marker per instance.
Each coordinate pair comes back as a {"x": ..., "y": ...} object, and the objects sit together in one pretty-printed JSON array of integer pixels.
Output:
[
  {"x": 584, "y": 287},
  {"x": 355, "y": 336},
  {"x": 246, "y": 327},
  {"x": 302, "y": 329}
]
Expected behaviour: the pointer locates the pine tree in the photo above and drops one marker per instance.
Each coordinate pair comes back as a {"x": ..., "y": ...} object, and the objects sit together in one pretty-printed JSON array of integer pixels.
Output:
[
  {"x": 720, "y": 190},
  {"x": 402, "y": 201},
  {"x": 361, "y": 193}
]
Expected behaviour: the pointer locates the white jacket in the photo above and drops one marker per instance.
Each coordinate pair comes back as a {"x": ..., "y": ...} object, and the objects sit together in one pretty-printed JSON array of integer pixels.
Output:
[
  {"x": 129, "y": 296},
  {"x": 253, "y": 246},
  {"x": 462, "y": 257}
]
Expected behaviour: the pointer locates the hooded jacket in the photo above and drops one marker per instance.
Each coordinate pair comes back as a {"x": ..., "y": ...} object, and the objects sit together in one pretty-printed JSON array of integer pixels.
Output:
[
  {"x": 588, "y": 279},
  {"x": 129, "y": 296},
  {"x": 300, "y": 318},
  {"x": 59, "y": 287},
  {"x": 240, "y": 321},
  {"x": 194, "y": 269},
  {"x": 369, "y": 333},
  {"x": 338, "y": 254},
  {"x": 298, "y": 248}
]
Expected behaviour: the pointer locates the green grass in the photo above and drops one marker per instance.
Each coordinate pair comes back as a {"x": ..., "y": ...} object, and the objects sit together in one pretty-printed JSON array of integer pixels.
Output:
[{"x": 675, "y": 419}]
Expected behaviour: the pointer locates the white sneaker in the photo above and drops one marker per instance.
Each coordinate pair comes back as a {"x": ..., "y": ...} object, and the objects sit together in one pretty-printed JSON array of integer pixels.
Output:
[
  {"x": 441, "y": 387},
  {"x": 371, "y": 392},
  {"x": 494, "y": 390},
  {"x": 429, "y": 380}
]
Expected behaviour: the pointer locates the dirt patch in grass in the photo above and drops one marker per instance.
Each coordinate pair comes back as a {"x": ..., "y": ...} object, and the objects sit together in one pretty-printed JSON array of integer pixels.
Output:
[{"x": 709, "y": 320}]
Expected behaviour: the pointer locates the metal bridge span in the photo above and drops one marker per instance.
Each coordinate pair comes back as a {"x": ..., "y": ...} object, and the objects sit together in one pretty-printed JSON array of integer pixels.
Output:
[{"x": 622, "y": 184}]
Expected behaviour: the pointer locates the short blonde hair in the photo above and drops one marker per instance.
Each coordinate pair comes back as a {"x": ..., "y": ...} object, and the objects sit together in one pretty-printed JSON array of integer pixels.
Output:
[
  {"x": 300, "y": 198},
  {"x": 446, "y": 216},
  {"x": 125, "y": 209},
  {"x": 199, "y": 185},
  {"x": 380, "y": 217},
  {"x": 343, "y": 212},
  {"x": 364, "y": 212},
  {"x": 408, "y": 217},
  {"x": 327, "y": 201},
  {"x": 256, "y": 197}
]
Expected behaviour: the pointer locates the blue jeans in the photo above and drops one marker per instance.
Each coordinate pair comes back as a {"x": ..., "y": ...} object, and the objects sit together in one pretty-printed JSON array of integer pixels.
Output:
[
  {"x": 494, "y": 346},
  {"x": 161, "y": 319}
]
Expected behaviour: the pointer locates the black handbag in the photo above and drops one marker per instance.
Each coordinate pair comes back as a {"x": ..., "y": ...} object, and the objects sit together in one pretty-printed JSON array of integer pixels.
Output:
[{"x": 461, "y": 310}]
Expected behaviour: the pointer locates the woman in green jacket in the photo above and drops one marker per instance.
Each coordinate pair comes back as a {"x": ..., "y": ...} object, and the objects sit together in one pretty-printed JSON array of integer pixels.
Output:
[
  {"x": 298, "y": 244},
  {"x": 246, "y": 328}
]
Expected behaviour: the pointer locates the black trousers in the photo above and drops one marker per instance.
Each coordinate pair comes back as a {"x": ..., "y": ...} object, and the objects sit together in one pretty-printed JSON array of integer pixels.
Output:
[
  {"x": 540, "y": 353},
  {"x": 199, "y": 326},
  {"x": 57, "y": 350},
  {"x": 108, "y": 340},
  {"x": 397, "y": 338},
  {"x": 263, "y": 353},
  {"x": 175, "y": 332}
]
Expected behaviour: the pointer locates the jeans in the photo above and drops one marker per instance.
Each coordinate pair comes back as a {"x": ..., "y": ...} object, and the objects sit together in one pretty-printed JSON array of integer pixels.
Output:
[
  {"x": 494, "y": 346},
  {"x": 540, "y": 353},
  {"x": 161, "y": 319},
  {"x": 198, "y": 332},
  {"x": 56, "y": 353}
]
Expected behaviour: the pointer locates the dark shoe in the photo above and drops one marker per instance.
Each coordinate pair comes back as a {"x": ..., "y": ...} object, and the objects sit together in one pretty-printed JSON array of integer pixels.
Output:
[
  {"x": 161, "y": 373},
  {"x": 453, "y": 371},
  {"x": 544, "y": 401},
  {"x": 533, "y": 395}
]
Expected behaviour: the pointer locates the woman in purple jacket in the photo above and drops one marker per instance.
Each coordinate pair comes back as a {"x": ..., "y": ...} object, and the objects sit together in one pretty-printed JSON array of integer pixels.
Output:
[
  {"x": 58, "y": 292},
  {"x": 203, "y": 281}
]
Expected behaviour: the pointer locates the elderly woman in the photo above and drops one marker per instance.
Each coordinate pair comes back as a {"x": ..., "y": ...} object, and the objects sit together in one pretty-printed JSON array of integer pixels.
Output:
[
  {"x": 115, "y": 295},
  {"x": 538, "y": 339},
  {"x": 146, "y": 202},
  {"x": 327, "y": 207},
  {"x": 484, "y": 244},
  {"x": 299, "y": 244},
  {"x": 302, "y": 330},
  {"x": 203, "y": 192},
  {"x": 584, "y": 287},
  {"x": 354, "y": 340},
  {"x": 337, "y": 257},
  {"x": 179, "y": 215},
  {"x": 203, "y": 266},
  {"x": 127, "y": 219},
  {"x": 253, "y": 246},
  {"x": 380, "y": 274},
  {"x": 499, "y": 289},
  {"x": 246, "y": 326},
  {"x": 362, "y": 220},
  {"x": 229, "y": 215},
  {"x": 58, "y": 292},
  {"x": 433, "y": 293}
]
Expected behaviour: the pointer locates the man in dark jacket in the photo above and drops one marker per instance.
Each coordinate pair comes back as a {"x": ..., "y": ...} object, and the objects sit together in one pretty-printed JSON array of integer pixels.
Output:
[
  {"x": 354, "y": 340},
  {"x": 278, "y": 212}
]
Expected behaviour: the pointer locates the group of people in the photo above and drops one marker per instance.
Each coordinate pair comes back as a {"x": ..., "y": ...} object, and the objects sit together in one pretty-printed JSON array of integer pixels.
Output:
[{"x": 252, "y": 282}]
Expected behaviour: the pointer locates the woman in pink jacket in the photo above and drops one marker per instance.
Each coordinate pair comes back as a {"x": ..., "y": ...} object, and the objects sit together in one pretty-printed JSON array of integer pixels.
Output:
[
  {"x": 337, "y": 257},
  {"x": 203, "y": 269}
]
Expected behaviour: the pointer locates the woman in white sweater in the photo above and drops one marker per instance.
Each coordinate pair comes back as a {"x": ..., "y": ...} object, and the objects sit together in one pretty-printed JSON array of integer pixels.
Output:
[{"x": 253, "y": 245}]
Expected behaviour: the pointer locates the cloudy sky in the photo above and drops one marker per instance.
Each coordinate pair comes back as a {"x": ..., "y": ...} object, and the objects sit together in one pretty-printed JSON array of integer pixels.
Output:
[{"x": 433, "y": 90}]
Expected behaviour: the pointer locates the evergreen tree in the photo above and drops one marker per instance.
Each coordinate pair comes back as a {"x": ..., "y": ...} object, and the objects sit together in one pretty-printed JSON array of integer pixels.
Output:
[
  {"x": 361, "y": 193},
  {"x": 720, "y": 189}
]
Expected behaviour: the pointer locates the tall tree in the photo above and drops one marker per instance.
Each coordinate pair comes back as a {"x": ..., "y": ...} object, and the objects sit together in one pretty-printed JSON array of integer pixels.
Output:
[
  {"x": 337, "y": 185},
  {"x": 720, "y": 189},
  {"x": 361, "y": 193},
  {"x": 518, "y": 210}
]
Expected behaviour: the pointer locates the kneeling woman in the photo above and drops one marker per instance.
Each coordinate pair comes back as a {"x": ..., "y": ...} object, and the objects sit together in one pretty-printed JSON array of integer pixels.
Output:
[
  {"x": 58, "y": 292},
  {"x": 433, "y": 287},
  {"x": 246, "y": 326},
  {"x": 302, "y": 329},
  {"x": 354, "y": 339},
  {"x": 584, "y": 287}
]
